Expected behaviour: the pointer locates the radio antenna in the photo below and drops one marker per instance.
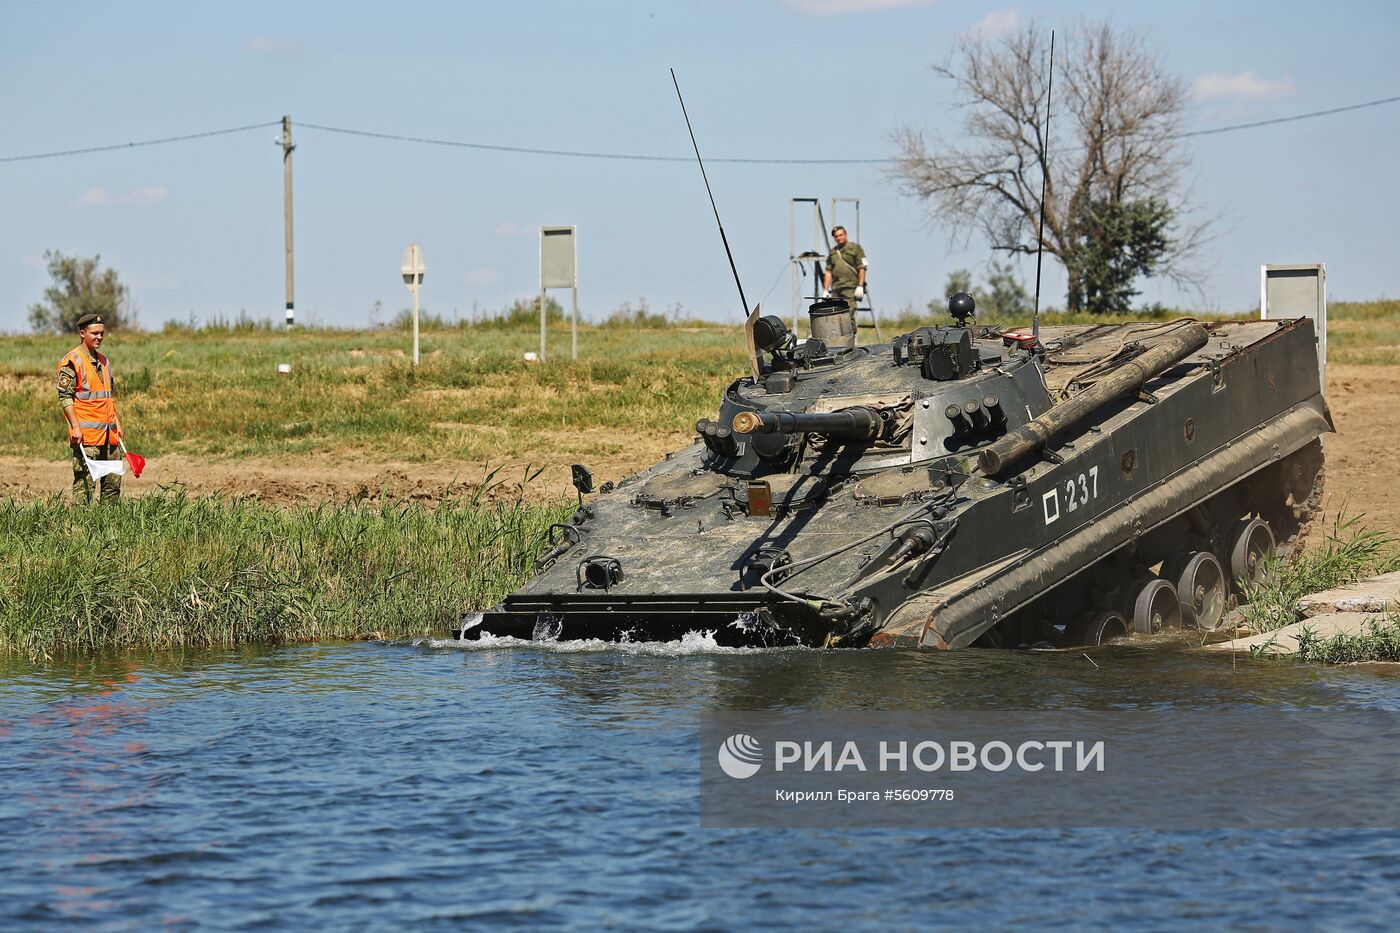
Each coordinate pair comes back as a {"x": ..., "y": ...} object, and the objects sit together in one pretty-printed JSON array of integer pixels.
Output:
[
  {"x": 724, "y": 239},
  {"x": 1044, "y": 174}
]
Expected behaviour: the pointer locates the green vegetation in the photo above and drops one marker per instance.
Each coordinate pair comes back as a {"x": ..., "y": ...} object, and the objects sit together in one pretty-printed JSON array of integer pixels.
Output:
[
  {"x": 1003, "y": 298},
  {"x": 171, "y": 570},
  {"x": 216, "y": 393},
  {"x": 168, "y": 570},
  {"x": 1112, "y": 244},
  {"x": 1350, "y": 552},
  {"x": 1380, "y": 641},
  {"x": 80, "y": 287},
  {"x": 1364, "y": 333}
]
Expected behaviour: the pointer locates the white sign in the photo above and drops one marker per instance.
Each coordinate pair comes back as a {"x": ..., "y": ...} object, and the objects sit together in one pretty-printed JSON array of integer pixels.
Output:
[
  {"x": 557, "y": 258},
  {"x": 413, "y": 266}
]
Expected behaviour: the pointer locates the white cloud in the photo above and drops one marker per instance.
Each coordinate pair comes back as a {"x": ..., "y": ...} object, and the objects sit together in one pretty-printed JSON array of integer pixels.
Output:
[
  {"x": 266, "y": 45},
  {"x": 509, "y": 228},
  {"x": 1247, "y": 85},
  {"x": 840, "y": 7},
  {"x": 485, "y": 278},
  {"x": 995, "y": 24},
  {"x": 138, "y": 197}
]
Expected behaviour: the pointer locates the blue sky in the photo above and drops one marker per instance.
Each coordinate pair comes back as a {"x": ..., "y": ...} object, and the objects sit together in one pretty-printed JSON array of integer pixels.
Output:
[{"x": 196, "y": 227}]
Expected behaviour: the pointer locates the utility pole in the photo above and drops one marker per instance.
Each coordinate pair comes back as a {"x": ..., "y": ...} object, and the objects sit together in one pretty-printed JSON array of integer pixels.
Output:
[{"x": 287, "y": 148}]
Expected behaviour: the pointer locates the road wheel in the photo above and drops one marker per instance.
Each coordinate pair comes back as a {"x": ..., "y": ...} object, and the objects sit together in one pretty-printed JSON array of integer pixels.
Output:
[
  {"x": 1200, "y": 586},
  {"x": 1156, "y": 608},
  {"x": 1102, "y": 626},
  {"x": 1253, "y": 543}
]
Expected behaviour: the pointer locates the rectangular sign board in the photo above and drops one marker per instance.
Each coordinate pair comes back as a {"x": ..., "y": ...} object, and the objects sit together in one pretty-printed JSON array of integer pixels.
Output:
[
  {"x": 1297, "y": 290},
  {"x": 557, "y": 258}
]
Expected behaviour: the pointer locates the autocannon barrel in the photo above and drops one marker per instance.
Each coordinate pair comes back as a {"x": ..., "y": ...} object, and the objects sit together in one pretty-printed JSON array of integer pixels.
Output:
[
  {"x": 856, "y": 424},
  {"x": 1128, "y": 377}
]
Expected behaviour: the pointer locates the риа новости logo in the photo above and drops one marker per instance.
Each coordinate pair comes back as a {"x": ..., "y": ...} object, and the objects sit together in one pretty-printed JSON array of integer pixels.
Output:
[{"x": 740, "y": 756}]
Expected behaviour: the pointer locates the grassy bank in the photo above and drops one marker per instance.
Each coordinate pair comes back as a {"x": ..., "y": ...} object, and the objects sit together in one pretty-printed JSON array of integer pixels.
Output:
[
  {"x": 216, "y": 393},
  {"x": 1380, "y": 641},
  {"x": 168, "y": 570},
  {"x": 1351, "y": 552}
]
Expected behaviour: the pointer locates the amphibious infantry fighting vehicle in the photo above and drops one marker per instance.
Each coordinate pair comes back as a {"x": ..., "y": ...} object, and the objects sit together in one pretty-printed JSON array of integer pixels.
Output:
[{"x": 962, "y": 484}]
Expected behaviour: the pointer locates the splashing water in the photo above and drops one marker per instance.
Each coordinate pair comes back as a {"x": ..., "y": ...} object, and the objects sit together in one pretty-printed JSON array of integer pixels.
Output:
[{"x": 692, "y": 643}]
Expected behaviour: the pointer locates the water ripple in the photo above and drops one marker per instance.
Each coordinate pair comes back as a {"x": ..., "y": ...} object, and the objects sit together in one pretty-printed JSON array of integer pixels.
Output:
[{"x": 520, "y": 783}]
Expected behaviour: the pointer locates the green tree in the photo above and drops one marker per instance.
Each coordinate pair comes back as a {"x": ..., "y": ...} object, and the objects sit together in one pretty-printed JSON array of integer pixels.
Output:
[
  {"x": 1004, "y": 294},
  {"x": 1115, "y": 243},
  {"x": 80, "y": 287},
  {"x": 959, "y": 280}
]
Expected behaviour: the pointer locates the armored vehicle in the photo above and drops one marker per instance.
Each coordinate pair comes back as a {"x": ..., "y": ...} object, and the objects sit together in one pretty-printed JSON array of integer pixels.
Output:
[{"x": 963, "y": 484}]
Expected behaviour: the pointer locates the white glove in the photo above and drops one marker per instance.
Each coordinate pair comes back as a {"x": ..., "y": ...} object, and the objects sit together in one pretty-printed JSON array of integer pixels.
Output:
[
  {"x": 826, "y": 293},
  {"x": 860, "y": 293}
]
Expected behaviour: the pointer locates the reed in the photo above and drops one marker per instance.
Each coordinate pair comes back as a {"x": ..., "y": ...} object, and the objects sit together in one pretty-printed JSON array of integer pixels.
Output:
[
  {"x": 1349, "y": 553},
  {"x": 1379, "y": 641},
  {"x": 172, "y": 570}
]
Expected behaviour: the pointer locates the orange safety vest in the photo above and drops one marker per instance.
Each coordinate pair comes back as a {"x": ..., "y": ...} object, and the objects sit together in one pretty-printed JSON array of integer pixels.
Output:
[{"x": 93, "y": 404}]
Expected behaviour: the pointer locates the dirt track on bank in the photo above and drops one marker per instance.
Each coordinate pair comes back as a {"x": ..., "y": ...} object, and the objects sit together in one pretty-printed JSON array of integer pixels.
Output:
[{"x": 1363, "y": 465}]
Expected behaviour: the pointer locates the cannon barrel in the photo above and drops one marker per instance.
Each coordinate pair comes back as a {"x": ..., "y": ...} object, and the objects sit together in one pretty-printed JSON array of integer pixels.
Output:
[
  {"x": 1128, "y": 377},
  {"x": 855, "y": 424}
]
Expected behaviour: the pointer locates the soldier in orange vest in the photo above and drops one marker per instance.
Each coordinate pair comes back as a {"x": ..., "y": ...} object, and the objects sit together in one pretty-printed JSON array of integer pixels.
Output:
[{"x": 85, "y": 391}]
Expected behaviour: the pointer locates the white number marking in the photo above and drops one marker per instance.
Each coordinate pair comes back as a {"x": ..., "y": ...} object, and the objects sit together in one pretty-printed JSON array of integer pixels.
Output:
[{"x": 1079, "y": 490}]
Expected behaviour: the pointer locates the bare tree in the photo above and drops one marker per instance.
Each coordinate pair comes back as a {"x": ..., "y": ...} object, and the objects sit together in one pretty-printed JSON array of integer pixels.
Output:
[{"x": 1113, "y": 166}]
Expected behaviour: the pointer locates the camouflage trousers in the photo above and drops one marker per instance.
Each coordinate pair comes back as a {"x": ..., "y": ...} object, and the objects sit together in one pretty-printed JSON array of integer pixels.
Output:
[
  {"x": 82, "y": 480},
  {"x": 846, "y": 294}
]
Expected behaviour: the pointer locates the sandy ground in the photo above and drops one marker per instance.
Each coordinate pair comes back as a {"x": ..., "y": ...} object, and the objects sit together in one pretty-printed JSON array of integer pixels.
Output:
[
  {"x": 1363, "y": 464},
  {"x": 1363, "y": 457}
]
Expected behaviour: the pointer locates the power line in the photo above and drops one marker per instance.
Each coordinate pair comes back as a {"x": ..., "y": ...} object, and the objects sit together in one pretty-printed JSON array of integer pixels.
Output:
[
  {"x": 754, "y": 161},
  {"x": 627, "y": 156},
  {"x": 145, "y": 142},
  {"x": 574, "y": 153},
  {"x": 1300, "y": 116}
]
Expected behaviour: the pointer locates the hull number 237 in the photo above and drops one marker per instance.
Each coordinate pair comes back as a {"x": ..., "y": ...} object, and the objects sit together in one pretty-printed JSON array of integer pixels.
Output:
[{"x": 1069, "y": 495}]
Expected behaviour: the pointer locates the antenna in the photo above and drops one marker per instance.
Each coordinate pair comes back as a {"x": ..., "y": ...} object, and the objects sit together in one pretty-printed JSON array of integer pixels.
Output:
[
  {"x": 1044, "y": 173},
  {"x": 742, "y": 300}
]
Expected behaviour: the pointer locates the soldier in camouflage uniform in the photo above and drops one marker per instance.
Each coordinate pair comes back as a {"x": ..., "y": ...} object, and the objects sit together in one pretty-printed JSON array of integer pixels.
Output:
[
  {"x": 85, "y": 392},
  {"x": 845, "y": 269}
]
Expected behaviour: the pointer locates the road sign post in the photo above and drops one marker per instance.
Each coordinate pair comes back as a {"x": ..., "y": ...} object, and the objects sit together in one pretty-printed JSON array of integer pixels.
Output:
[
  {"x": 413, "y": 269},
  {"x": 559, "y": 269}
]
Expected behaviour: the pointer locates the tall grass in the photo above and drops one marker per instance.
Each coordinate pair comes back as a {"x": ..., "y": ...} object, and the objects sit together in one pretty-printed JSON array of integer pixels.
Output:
[
  {"x": 1378, "y": 641},
  {"x": 1350, "y": 552},
  {"x": 171, "y": 570}
]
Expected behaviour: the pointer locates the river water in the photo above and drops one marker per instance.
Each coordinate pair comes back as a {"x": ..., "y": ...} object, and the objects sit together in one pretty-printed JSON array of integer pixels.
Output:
[{"x": 510, "y": 783}]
